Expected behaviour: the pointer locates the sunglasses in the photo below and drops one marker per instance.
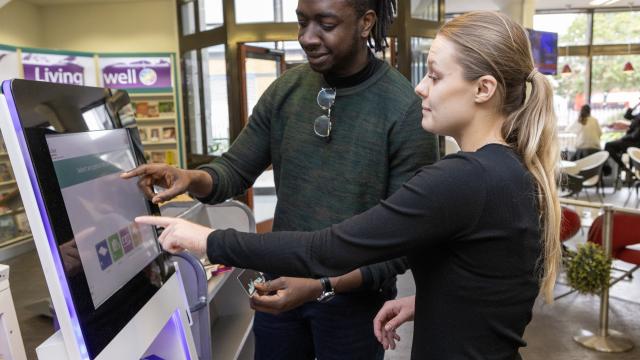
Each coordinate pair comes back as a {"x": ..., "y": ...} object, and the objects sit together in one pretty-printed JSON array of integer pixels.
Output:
[{"x": 322, "y": 125}]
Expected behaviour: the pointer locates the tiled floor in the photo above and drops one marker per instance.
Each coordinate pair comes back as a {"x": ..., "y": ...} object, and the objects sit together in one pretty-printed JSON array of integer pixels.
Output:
[{"x": 549, "y": 335}]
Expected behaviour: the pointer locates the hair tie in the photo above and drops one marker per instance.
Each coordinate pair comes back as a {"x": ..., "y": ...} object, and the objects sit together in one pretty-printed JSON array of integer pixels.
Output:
[{"x": 531, "y": 75}]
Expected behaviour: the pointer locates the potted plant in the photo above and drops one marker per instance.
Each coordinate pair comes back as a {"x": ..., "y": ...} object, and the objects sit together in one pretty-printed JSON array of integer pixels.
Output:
[{"x": 588, "y": 269}]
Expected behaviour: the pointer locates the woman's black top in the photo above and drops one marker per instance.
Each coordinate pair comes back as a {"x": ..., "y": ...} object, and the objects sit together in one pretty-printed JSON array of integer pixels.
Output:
[{"x": 471, "y": 229}]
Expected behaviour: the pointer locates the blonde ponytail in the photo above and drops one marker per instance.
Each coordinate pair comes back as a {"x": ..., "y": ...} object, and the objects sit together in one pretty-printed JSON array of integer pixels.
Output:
[
  {"x": 490, "y": 43},
  {"x": 532, "y": 132}
]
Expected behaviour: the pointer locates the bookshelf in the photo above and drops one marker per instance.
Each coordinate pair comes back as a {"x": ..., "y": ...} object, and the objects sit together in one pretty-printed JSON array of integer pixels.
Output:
[
  {"x": 156, "y": 115},
  {"x": 14, "y": 227}
]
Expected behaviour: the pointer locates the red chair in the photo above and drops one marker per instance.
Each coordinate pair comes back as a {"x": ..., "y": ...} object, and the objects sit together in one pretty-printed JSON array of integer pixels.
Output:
[
  {"x": 570, "y": 224},
  {"x": 569, "y": 227},
  {"x": 626, "y": 232}
]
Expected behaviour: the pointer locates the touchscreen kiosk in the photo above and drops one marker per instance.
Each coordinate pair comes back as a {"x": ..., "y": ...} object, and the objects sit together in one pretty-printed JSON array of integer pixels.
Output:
[{"x": 112, "y": 288}]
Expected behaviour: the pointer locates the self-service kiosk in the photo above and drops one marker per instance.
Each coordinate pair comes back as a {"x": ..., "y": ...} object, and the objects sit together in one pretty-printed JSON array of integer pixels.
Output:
[{"x": 115, "y": 294}]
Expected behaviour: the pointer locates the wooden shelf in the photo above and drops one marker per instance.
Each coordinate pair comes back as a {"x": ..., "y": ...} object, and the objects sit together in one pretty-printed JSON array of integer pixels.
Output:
[
  {"x": 16, "y": 211},
  {"x": 4, "y": 153},
  {"x": 150, "y": 95},
  {"x": 159, "y": 143},
  {"x": 162, "y": 117},
  {"x": 6, "y": 183},
  {"x": 16, "y": 239}
]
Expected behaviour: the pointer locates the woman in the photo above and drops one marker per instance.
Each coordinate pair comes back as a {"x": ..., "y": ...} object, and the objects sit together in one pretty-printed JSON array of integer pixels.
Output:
[
  {"x": 480, "y": 227},
  {"x": 588, "y": 134}
]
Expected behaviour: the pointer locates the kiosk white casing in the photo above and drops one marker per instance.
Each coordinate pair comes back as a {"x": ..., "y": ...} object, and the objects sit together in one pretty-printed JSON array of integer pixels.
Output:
[
  {"x": 163, "y": 321},
  {"x": 11, "y": 346}
]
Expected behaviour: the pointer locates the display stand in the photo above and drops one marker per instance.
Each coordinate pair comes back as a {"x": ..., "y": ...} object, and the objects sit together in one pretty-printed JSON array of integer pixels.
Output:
[
  {"x": 159, "y": 331},
  {"x": 11, "y": 347}
]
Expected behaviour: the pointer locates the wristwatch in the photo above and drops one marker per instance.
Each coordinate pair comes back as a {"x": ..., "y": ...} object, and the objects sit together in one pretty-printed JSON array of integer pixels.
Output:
[{"x": 327, "y": 290}]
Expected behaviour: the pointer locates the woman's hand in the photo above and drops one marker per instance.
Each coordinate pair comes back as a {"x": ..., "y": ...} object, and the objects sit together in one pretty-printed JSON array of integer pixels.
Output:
[
  {"x": 179, "y": 234},
  {"x": 393, "y": 314}
]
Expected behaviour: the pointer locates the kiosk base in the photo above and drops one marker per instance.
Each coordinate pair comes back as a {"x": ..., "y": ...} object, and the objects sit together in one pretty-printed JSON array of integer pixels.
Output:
[
  {"x": 160, "y": 330},
  {"x": 11, "y": 346}
]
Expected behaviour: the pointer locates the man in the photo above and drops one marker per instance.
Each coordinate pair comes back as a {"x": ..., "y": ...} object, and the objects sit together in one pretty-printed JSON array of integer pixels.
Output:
[
  {"x": 631, "y": 138},
  {"x": 342, "y": 132}
]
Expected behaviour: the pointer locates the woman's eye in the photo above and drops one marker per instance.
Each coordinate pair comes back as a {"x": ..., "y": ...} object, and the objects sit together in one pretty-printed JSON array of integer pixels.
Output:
[
  {"x": 432, "y": 77},
  {"x": 328, "y": 27}
]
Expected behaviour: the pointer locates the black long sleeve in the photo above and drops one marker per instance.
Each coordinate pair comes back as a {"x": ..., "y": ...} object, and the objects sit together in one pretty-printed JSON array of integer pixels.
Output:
[{"x": 437, "y": 204}]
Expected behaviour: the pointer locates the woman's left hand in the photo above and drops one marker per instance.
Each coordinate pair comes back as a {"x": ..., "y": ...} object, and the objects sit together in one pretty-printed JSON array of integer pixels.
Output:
[
  {"x": 179, "y": 234},
  {"x": 393, "y": 314}
]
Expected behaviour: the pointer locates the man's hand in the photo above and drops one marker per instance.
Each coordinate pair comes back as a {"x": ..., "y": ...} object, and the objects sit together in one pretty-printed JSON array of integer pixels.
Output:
[
  {"x": 284, "y": 294},
  {"x": 393, "y": 314},
  {"x": 179, "y": 234},
  {"x": 175, "y": 181}
]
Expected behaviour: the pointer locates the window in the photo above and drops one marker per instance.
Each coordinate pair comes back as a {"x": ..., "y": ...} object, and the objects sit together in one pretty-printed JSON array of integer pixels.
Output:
[
  {"x": 571, "y": 27},
  {"x": 252, "y": 11},
  {"x": 188, "y": 18},
  {"x": 419, "y": 51},
  {"x": 569, "y": 90},
  {"x": 289, "y": 10},
  {"x": 192, "y": 107},
  {"x": 612, "y": 90},
  {"x": 211, "y": 14},
  {"x": 616, "y": 27},
  {"x": 215, "y": 98},
  {"x": 424, "y": 9}
]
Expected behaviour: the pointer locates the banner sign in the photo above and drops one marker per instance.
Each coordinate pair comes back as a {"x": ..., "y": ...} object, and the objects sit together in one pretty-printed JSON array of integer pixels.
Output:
[
  {"x": 136, "y": 72},
  {"x": 9, "y": 67},
  {"x": 59, "y": 68}
]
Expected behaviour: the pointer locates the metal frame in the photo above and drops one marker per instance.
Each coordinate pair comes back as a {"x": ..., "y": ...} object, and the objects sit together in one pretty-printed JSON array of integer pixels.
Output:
[
  {"x": 231, "y": 34},
  {"x": 605, "y": 339}
]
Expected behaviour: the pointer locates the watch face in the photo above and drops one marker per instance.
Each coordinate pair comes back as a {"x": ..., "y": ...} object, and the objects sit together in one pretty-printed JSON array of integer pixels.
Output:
[{"x": 326, "y": 297}]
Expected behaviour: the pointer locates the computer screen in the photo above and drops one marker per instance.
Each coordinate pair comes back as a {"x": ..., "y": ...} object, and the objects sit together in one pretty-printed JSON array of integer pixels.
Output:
[
  {"x": 77, "y": 139},
  {"x": 101, "y": 207},
  {"x": 544, "y": 49}
]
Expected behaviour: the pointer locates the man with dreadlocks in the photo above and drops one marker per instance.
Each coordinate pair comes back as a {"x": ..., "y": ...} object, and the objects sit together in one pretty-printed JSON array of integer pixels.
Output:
[{"x": 342, "y": 132}]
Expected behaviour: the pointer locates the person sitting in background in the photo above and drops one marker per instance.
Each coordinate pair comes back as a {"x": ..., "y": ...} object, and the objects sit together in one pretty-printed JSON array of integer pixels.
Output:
[
  {"x": 588, "y": 134},
  {"x": 631, "y": 138}
]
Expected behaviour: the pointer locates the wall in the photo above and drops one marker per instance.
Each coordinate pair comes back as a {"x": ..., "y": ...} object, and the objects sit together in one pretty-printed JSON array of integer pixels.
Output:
[
  {"x": 137, "y": 26},
  {"x": 20, "y": 24}
]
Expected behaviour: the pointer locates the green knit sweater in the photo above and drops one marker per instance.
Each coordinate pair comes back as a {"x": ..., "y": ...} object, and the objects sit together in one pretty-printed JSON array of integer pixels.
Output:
[{"x": 377, "y": 143}]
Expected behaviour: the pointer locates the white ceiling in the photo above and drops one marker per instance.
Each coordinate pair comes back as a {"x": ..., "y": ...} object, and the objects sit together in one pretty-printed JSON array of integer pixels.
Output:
[{"x": 457, "y": 6}]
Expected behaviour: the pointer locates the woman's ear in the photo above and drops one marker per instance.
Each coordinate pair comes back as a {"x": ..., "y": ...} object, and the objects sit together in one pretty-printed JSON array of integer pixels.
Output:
[{"x": 486, "y": 87}]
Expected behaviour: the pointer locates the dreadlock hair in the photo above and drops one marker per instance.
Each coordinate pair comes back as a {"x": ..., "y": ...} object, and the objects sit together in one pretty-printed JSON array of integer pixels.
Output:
[{"x": 385, "y": 11}]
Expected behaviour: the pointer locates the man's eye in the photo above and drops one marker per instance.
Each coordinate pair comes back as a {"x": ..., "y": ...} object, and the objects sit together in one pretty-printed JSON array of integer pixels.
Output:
[{"x": 328, "y": 27}]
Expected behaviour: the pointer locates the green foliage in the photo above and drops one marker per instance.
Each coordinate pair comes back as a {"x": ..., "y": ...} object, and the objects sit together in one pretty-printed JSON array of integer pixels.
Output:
[
  {"x": 589, "y": 268},
  {"x": 576, "y": 33},
  {"x": 607, "y": 74}
]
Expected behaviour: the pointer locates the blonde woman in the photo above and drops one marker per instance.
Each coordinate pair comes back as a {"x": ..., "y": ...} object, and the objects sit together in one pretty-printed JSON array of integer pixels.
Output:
[{"x": 480, "y": 227}]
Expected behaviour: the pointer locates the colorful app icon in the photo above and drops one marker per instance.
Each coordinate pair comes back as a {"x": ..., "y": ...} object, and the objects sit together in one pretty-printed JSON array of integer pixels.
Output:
[
  {"x": 136, "y": 236},
  {"x": 103, "y": 254},
  {"x": 125, "y": 239},
  {"x": 116, "y": 247}
]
